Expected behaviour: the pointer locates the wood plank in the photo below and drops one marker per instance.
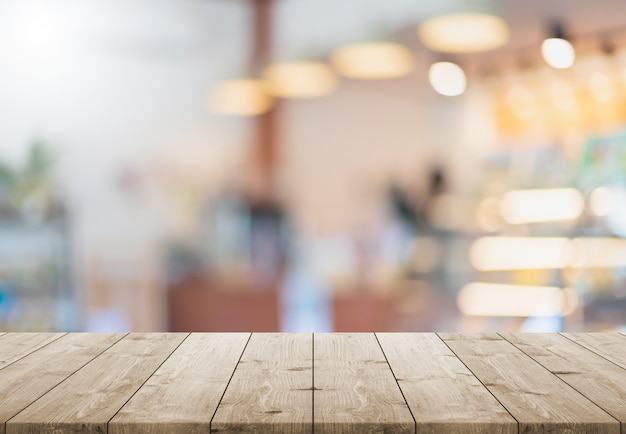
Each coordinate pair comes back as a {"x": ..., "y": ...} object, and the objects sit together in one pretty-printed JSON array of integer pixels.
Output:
[
  {"x": 29, "y": 378},
  {"x": 611, "y": 346},
  {"x": 443, "y": 395},
  {"x": 14, "y": 346},
  {"x": 87, "y": 400},
  {"x": 271, "y": 389},
  {"x": 593, "y": 376},
  {"x": 183, "y": 394},
  {"x": 355, "y": 390},
  {"x": 538, "y": 400}
]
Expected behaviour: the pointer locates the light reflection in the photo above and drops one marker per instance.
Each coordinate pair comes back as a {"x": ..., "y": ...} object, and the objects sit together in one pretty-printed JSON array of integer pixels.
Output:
[
  {"x": 532, "y": 206},
  {"x": 495, "y": 299}
]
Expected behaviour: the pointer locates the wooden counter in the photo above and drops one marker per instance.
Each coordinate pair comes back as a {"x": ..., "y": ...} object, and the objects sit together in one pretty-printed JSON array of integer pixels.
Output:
[{"x": 304, "y": 383}]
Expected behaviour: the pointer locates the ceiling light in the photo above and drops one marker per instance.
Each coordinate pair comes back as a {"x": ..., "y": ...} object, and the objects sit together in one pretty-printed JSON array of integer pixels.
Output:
[
  {"x": 241, "y": 97},
  {"x": 557, "y": 51},
  {"x": 373, "y": 60},
  {"x": 447, "y": 78},
  {"x": 299, "y": 79},
  {"x": 463, "y": 33}
]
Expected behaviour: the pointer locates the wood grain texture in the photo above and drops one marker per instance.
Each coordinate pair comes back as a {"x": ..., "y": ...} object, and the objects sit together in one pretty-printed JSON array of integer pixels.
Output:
[
  {"x": 24, "y": 381},
  {"x": 87, "y": 400},
  {"x": 183, "y": 394},
  {"x": 593, "y": 376},
  {"x": 355, "y": 390},
  {"x": 443, "y": 395},
  {"x": 14, "y": 346},
  {"x": 611, "y": 346},
  {"x": 539, "y": 401},
  {"x": 271, "y": 389}
]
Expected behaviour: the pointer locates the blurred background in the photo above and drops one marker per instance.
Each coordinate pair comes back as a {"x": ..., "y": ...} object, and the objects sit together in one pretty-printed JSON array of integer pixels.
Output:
[{"x": 312, "y": 165}]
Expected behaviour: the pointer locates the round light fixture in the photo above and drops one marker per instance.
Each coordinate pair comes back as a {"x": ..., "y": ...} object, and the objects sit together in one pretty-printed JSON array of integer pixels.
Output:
[
  {"x": 373, "y": 60},
  {"x": 463, "y": 33},
  {"x": 558, "y": 53},
  {"x": 299, "y": 79},
  {"x": 447, "y": 78},
  {"x": 240, "y": 97}
]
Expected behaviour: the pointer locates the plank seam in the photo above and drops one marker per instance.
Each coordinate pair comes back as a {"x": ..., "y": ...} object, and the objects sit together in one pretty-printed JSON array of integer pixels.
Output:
[
  {"x": 312, "y": 383},
  {"x": 35, "y": 348},
  {"x": 593, "y": 350},
  {"x": 555, "y": 375},
  {"x": 229, "y": 380},
  {"x": 481, "y": 382},
  {"x": 396, "y": 379},
  {"x": 146, "y": 380},
  {"x": 65, "y": 379}
]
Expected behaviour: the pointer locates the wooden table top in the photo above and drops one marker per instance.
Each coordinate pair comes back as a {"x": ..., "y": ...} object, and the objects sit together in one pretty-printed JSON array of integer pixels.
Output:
[{"x": 304, "y": 383}]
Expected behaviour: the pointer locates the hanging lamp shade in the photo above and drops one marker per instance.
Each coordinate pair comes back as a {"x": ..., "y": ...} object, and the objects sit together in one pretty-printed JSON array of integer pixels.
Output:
[
  {"x": 447, "y": 78},
  {"x": 240, "y": 97},
  {"x": 556, "y": 50},
  {"x": 373, "y": 60},
  {"x": 299, "y": 79},
  {"x": 466, "y": 32}
]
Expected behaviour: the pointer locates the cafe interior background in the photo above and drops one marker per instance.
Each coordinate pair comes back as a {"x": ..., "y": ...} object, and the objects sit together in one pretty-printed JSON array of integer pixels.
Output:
[{"x": 312, "y": 165}]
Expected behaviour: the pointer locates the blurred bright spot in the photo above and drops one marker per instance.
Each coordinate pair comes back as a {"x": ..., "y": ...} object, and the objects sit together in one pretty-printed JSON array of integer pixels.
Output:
[
  {"x": 616, "y": 219},
  {"x": 373, "y": 61},
  {"x": 245, "y": 97},
  {"x": 520, "y": 253},
  {"x": 299, "y": 79},
  {"x": 562, "y": 94},
  {"x": 494, "y": 299},
  {"x": 488, "y": 214},
  {"x": 571, "y": 301},
  {"x": 532, "y": 206},
  {"x": 521, "y": 102},
  {"x": 558, "y": 53},
  {"x": 599, "y": 252},
  {"x": 601, "y": 201},
  {"x": 463, "y": 33},
  {"x": 601, "y": 87},
  {"x": 447, "y": 78}
]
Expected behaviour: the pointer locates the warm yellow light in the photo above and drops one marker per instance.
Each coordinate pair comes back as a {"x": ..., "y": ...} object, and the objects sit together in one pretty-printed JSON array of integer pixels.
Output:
[
  {"x": 532, "y": 206},
  {"x": 494, "y": 299},
  {"x": 447, "y": 78},
  {"x": 463, "y": 33},
  {"x": 601, "y": 87},
  {"x": 599, "y": 252},
  {"x": 520, "y": 253},
  {"x": 299, "y": 79},
  {"x": 373, "y": 61},
  {"x": 521, "y": 102},
  {"x": 601, "y": 201},
  {"x": 558, "y": 53},
  {"x": 245, "y": 97},
  {"x": 562, "y": 94}
]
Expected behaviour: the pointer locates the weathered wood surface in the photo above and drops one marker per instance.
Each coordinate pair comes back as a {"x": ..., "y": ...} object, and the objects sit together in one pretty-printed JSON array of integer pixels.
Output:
[
  {"x": 611, "y": 346},
  {"x": 17, "y": 388},
  {"x": 87, "y": 400},
  {"x": 186, "y": 389},
  {"x": 355, "y": 391},
  {"x": 536, "y": 398},
  {"x": 443, "y": 395},
  {"x": 14, "y": 346},
  {"x": 272, "y": 388},
  {"x": 305, "y": 383},
  {"x": 593, "y": 376}
]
